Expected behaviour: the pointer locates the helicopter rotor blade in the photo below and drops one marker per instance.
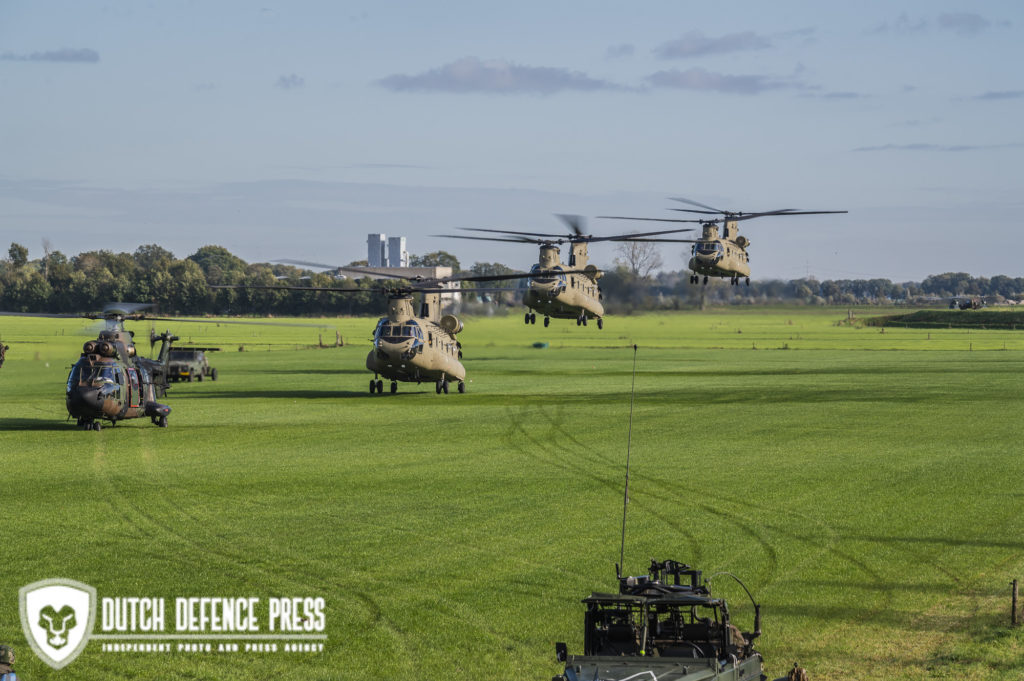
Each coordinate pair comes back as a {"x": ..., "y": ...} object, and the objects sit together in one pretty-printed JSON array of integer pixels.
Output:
[
  {"x": 542, "y": 235},
  {"x": 576, "y": 223},
  {"x": 630, "y": 237},
  {"x": 520, "y": 240},
  {"x": 699, "y": 205},
  {"x": 626, "y": 217}
]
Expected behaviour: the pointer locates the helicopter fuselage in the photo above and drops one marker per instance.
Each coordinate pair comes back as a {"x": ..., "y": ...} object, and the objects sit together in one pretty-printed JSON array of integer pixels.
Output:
[
  {"x": 564, "y": 295},
  {"x": 108, "y": 382},
  {"x": 721, "y": 256},
  {"x": 417, "y": 350}
]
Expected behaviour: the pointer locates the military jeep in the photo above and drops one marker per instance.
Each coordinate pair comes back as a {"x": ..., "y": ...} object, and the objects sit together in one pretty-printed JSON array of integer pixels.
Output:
[{"x": 190, "y": 364}]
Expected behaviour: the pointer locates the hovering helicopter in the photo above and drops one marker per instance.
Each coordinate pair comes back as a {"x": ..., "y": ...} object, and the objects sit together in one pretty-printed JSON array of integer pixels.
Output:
[
  {"x": 111, "y": 381},
  {"x": 724, "y": 255},
  {"x": 557, "y": 293},
  {"x": 408, "y": 347}
]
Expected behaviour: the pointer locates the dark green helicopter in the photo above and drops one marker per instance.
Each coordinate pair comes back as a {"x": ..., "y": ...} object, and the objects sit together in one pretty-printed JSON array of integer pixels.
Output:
[{"x": 110, "y": 381}]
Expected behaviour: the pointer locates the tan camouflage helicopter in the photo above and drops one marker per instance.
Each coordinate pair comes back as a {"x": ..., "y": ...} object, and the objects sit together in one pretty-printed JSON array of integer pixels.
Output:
[
  {"x": 724, "y": 255},
  {"x": 559, "y": 293},
  {"x": 408, "y": 347}
]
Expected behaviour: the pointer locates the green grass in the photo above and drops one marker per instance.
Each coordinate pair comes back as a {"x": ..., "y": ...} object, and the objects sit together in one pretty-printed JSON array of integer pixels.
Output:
[{"x": 865, "y": 486}]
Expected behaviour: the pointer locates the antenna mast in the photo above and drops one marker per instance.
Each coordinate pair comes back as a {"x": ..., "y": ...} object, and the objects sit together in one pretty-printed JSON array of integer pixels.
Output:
[{"x": 625, "y": 496}]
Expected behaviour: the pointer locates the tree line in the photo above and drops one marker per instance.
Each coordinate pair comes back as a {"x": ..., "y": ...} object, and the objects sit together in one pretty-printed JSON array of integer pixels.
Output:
[{"x": 86, "y": 282}]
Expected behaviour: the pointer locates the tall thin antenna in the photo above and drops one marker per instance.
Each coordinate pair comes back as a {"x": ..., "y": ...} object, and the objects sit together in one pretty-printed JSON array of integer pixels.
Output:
[{"x": 629, "y": 441}]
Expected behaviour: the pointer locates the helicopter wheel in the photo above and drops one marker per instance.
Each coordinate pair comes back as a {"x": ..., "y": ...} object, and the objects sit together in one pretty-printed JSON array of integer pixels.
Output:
[
  {"x": 394, "y": 387},
  {"x": 705, "y": 280},
  {"x": 163, "y": 422},
  {"x": 584, "y": 320},
  {"x": 547, "y": 320},
  {"x": 579, "y": 321},
  {"x": 533, "y": 318},
  {"x": 600, "y": 323},
  {"x": 444, "y": 386},
  {"x": 380, "y": 386},
  {"x": 437, "y": 387},
  {"x": 96, "y": 425},
  {"x": 373, "y": 386},
  {"x": 748, "y": 281},
  {"x": 462, "y": 386},
  {"x": 526, "y": 318}
]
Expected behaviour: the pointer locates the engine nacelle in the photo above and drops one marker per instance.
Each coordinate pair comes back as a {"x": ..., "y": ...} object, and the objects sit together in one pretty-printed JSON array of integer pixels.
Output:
[
  {"x": 451, "y": 324},
  {"x": 593, "y": 272},
  {"x": 742, "y": 241},
  {"x": 89, "y": 347}
]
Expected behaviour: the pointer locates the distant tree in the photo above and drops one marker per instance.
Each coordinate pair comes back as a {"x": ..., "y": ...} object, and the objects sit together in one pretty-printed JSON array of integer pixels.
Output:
[
  {"x": 639, "y": 257},
  {"x": 153, "y": 257},
  {"x": 18, "y": 255},
  {"x": 435, "y": 259},
  {"x": 359, "y": 263},
  {"x": 218, "y": 264}
]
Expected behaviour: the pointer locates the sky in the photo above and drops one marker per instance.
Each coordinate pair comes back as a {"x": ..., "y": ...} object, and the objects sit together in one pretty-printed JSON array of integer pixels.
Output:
[{"x": 293, "y": 129}]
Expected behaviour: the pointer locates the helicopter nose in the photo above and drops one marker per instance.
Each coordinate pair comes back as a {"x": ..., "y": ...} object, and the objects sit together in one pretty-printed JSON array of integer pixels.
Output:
[{"x": 85, "y": 400}]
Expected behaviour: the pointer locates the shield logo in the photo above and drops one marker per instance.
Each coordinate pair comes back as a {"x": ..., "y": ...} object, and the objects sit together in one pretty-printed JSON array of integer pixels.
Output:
[{"x": 57, "y": 616}]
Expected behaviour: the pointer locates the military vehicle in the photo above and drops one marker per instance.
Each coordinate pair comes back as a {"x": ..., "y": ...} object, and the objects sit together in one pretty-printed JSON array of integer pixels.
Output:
[
  {"x": 111, "y": 382},
  {"x": 721, "y": 255},
  {"x": 190, "y": 364},
  {"x": 408, "y": 347},
  {"x": 553, "y": 291},
  {"x": 665, "y": 626}
]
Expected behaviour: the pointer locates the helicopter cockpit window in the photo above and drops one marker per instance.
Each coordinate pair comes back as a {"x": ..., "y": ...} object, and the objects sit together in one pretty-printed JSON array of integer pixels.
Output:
[
  {"x": 707, "y": 248},
  {"x": 75, "y": 376},
  {"x": 559, "y": 279}
]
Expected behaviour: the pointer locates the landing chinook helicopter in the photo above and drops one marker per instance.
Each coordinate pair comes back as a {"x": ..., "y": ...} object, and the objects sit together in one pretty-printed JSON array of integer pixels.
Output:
[
  {"x": 407, "y": 347},
  {"x": 725, "y": 255},
  {"x": 559, "y": 293},
  {"x": 110, "y": 381}
]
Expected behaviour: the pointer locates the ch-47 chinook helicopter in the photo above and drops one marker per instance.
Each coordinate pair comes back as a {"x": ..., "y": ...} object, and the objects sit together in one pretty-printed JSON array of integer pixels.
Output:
[
  {"x": 557, "y": 293},
  {"x": 408, "y": 347},
  {"x": 725, "y": 255},
  {"x": 110, "y": 381}
]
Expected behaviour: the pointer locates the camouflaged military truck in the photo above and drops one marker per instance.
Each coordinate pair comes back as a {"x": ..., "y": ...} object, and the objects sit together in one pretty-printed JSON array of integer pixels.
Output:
[
  {"x": 190, "y": 364},
  {"x": 664, "y": 626}
]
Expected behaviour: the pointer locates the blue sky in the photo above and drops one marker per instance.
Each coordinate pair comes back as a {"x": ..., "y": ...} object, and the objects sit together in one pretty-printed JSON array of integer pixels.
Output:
[{"x": 292, "y": 129}]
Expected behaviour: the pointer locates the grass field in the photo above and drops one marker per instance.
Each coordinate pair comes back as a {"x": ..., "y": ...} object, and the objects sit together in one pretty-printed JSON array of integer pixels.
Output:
[{"x": 865, "y": 483}]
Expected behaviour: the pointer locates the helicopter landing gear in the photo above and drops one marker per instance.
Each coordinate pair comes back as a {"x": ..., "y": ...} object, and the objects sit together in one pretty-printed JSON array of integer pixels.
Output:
[
  {"x": 547, "y": 320},
  {"x": 437, "y": 387},
  {"x": 748, "y": 281},
  {"x": 380, "y": 386},
  {"x": 373, "y": 386},
  {"x": 526, "y": 318},
  {"x": 584, "y": 320},
  {"x": 394, "y": 387},
  {"x": 462, "y": 386},
  {"x": 162, "y": 423},
  {"x": 600, "y": 323},
  {"x": 533, "y": 317},
  {"x": 444, "y": 386},
  {"x": 705, "y": 280}
]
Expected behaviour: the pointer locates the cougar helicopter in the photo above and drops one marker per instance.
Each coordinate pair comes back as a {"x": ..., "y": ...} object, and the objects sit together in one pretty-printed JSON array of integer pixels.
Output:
[
  {"x": 110, "y": 381},
  {"x": 720, "y": 255},
  {"x": 410, "y": 347},
  {"x": 555, "y": 292}
]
